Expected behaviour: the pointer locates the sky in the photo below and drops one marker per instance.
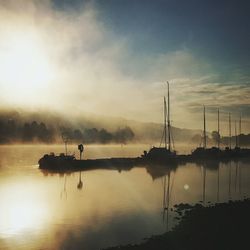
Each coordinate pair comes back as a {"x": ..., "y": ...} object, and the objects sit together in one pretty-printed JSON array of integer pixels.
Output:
[{"x": 113, "y": 57}]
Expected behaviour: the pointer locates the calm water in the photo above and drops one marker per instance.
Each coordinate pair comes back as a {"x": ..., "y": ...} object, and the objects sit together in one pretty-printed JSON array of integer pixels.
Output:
[{"x": 48, "y": 211}]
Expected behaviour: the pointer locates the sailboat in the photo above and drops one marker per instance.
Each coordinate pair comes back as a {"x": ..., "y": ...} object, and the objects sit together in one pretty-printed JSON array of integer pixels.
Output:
[
  {"x": 204, "y": 152},
  {"x": 165, "y": 153},
  {"x": 215, "y": 153}
]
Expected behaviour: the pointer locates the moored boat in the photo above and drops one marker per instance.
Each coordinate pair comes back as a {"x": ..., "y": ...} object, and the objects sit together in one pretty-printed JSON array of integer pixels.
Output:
[
  {"x": 165, "y": 153},
  {"x": 56, "y": 161}
]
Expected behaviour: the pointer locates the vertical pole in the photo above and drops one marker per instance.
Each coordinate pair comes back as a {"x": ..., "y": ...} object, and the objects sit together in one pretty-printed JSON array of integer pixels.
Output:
[
  {"x": 204, "y": 131},
  {"x": 66, "y": 148},
  {"x": 218, "y": 185},
  {"x": 165, "y": 123},
  {"x": 168, "y": 189},
  {"x": 168, "y": 198},
  {"x": 164, "y": 193},
  {"x": 169, "y": 139},
  {"x": 229, "y": 119},
  {"x": 229, "y": 183},
  {"x": 239, "y": 131},
  {"x": 204, "y": 185},
  {"x": 236, "y": 176},
  {"x": 239, "y": 178},
  {"x": 218, "y": 128},
  {"x": 164, "y": 198},
  {"x": 235, "y": 130}
]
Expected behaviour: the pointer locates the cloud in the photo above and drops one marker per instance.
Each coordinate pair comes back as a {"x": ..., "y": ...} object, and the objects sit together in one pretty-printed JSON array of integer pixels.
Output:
[{"x": 95, "y": 71}]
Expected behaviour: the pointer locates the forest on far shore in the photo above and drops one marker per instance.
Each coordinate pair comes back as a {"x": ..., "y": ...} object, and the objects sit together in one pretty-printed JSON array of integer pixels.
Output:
[
  {"x": 29, "y": 132},
  {"x": 38, "y": 127},
  {"x": 212, "y": 140}
]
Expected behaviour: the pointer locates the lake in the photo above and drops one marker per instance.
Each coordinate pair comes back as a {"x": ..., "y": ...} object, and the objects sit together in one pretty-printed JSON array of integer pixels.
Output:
[{"x": 41, "y": 210}]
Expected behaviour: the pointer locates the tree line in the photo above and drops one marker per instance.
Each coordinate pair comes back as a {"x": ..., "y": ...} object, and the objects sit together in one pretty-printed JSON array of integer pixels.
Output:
[
  {"x": 29, "y": 132},
  {"x": 93, "y": 135},
  {"x": 242, "y": 139}
]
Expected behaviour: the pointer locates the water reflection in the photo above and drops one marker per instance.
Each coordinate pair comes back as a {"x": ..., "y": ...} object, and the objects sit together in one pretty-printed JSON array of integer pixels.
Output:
[
  {"x": 166, "y": 199},
  {"x": 79, "y": 185},
  {"x": 229, "y": 182},
  {"x": 64, "y": 190},
  {"x": 20, "y": 210},
  {"x": 234, "y": 179},
  {"x": 236, "y": 176},
  {"x": 239, "y": 179},
  {"x": 204, "y": 172},
  {"x": 218, "y": 184},
  {"x": 116, "y": 205},
  {"x": 166, "y": 173}
]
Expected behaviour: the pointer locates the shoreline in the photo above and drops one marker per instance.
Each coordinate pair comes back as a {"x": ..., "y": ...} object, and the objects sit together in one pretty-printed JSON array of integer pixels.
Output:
[{"x": 219, "y": 226}]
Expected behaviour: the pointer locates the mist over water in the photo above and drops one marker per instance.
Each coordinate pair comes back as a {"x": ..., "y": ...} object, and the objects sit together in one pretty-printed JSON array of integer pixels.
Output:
[
  {"x": 97, "y": 73},
  {"x": 41, "y": 210},
  {"x": 94, "y": 67}
]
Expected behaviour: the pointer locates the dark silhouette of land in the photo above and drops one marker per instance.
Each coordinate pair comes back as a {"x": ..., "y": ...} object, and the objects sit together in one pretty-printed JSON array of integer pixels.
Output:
[
  {"x": 94, "y": 129},
  {"x": 45, "y": 127},
  {"x": 220, "y": 226},
  {"x": 224, "y": 140},
  {"x": 28, "y": 132}
]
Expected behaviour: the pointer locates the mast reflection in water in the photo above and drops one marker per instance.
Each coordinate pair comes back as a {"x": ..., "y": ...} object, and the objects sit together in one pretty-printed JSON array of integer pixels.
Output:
[{"x": 105, "y": 207}]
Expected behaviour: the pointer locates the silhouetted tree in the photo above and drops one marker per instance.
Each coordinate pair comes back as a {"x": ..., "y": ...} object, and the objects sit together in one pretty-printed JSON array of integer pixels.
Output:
[
  {"x": 3, "y": 136},
  {"x": 13, "y": 131},
  {"x": 90, "y": 135},
  {"x": 215, "y": 136},
  {"x": 26, "y": 133},
  {"x": 124, "y": 135},
  {"x": 44, "y": 134},
  {"x": 105, "y": 136},
  {"x": 77, "y": 135}
]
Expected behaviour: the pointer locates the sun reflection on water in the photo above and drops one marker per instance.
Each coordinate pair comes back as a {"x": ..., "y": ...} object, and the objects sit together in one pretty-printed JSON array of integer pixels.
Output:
[{"x": 19, "y": 212}]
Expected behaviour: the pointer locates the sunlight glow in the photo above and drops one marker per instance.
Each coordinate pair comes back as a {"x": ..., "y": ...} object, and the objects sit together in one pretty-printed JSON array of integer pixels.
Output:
[
  {"x": 22, "y": 216},
  {"x": 19, "y": 213},
  {"x": 24, "y": 63}
]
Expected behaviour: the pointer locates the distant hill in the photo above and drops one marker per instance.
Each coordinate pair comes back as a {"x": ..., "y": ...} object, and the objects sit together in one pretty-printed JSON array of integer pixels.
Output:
[{"x": 43, "y": 126}]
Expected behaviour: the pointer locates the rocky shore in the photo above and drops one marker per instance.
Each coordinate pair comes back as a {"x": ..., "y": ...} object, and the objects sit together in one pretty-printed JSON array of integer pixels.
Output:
[{"x": 220, "y": 226}]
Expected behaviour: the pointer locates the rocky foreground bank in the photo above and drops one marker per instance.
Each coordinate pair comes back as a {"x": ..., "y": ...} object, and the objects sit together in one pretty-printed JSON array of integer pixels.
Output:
[{"x": 220, "y": 226}]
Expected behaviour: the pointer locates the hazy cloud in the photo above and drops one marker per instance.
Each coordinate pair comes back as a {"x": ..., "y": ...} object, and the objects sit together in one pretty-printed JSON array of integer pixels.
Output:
[{"x": 93, "y": 69}]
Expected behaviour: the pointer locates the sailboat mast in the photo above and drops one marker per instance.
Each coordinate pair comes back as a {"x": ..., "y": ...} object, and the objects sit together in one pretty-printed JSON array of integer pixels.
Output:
[
  {"x": 165, "y": 123},
  {"x": 229, "y": 119},
  {"x": 204, "y": 131},
  {"x": 239, "y": 131},
  {"x": 236, "y": 138},
  {"x": 169, "y": 140},
  {"x": 218, "y": 128}
]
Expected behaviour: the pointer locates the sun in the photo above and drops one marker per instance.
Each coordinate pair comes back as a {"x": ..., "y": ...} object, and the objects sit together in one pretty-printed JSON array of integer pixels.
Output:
[{"x": 25, "y": 65}]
